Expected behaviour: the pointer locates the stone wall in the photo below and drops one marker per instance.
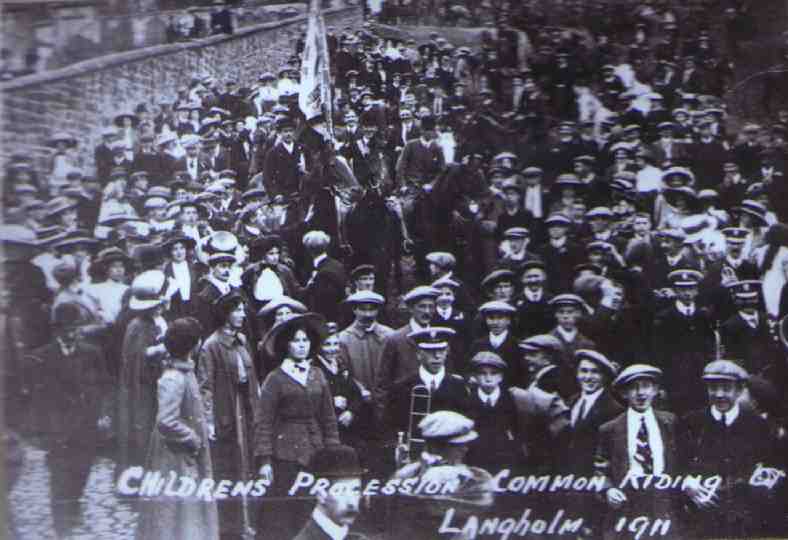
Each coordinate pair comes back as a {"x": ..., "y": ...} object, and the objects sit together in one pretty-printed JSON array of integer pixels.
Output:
[{"x": 82, "y": 98}]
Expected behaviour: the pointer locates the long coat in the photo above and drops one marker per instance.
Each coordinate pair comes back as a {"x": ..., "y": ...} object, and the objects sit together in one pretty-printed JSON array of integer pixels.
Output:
[
  {"x": 179, "y": 443},
  {"x": 230, "y": 406},
  {"x": 326, "y": 290},
  {"x": 294, "y": 421},
  {"x": 137, "y": 393},
  {"x": 360, "y": 351}
]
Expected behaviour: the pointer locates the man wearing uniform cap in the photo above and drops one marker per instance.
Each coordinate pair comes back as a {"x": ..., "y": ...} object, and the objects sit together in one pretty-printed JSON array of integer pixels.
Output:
[
  {"x": 683, "y": 341},
  {"x": 446, "y": 389},
  {"x": 447, "y": 435},
  {"x": 746, "y": 336},
  {"x": 498, "y": 317},
  {"x": 720, "y": 274},
  {"x": 640, "y": 441},
  {"x": 728, "y": 438}
]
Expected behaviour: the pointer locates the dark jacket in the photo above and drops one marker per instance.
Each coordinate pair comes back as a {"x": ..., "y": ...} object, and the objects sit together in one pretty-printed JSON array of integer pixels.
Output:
[
  {"x": 325, "y": 292},
  {"x": 281, "y": 173}
]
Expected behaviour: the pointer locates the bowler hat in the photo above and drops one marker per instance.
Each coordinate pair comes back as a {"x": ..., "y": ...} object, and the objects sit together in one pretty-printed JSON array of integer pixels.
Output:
[{"x": 336, "y": 461}]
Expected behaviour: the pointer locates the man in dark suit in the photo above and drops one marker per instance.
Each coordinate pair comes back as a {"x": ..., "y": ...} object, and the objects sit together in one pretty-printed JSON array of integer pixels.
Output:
[
  {"x": 636, "y": 443},
  {"x": 683, "y": 341},
  {"x": 500, "y": 338},
  {"x": 592, "y": 407},
  {"x": 732, "y": 441},
  {"x": 560, "y": 253},
  {"x": 338, "y": 506},
  {"x": 325, "y": 288},
  {"x": 284, "y": 163},
  {"x": 103, "y": 154},
  {"x": 421, "y": 159},
  {"x": 534, "y": 312},
  {"x": 746, "y": 337},
  {"x": 447, "y": 390},
  {"x": 735, "y": 266}
]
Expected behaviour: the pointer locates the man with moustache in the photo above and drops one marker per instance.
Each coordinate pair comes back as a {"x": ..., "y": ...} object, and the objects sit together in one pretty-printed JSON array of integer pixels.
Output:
[
  {"x": 399, "y": 355},
  {"x": 729, "y": 439},
  {"x": 338, "y": 506},
  {"x": 446, "y": 389}
]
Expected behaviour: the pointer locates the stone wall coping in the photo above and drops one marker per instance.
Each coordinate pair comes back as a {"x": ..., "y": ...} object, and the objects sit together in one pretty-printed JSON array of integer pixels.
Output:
[{"x": 136, "y": 55}]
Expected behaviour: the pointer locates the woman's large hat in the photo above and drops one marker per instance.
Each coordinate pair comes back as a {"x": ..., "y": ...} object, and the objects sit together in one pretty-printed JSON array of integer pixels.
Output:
[
  {"x": 148, "y": 290},
  {"x": 312, "y": 321},
  {"x": 281, "y": 301},
  {"x": 62, "y": 136}
]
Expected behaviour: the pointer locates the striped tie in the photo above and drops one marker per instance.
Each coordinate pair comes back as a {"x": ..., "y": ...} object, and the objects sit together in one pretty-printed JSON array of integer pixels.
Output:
[{"x": 643, "y": 452}]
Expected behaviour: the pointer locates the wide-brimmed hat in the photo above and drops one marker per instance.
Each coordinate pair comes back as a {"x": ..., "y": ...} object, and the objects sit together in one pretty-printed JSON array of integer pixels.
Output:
[
  {"x": 148, "y": 290},
  {"x": 62, "y": 136},
  {"x": 312, "y": 321},
  {"x": 281, "y": 301},
  {"x": 118, "y": 120},
  {"x": 58, "y": 205},
  {"x": 176, "y": 237}
]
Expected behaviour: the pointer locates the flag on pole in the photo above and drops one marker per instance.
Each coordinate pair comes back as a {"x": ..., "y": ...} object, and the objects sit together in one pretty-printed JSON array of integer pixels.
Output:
[{"x": 314, "y": 98}]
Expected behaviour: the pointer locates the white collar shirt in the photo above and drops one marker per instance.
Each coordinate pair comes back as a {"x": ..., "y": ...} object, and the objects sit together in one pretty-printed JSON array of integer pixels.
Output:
[
  {"x": 497, "y": 341},
  {"x": 490, "y": 399},
  {"x": 568, "y": 335},
  {"x": 585, "y": 403},
  {"x": 654, "y": 441},
  {"x": 750, "y": 318},
  {"x": 730, "y": 416},
  {"x": 223, "y": 286},
  {"x": 298, "y": 372},
  {"x": 431, "y": 381},
  {"x": 332, "y": 530},
  {"x": 534, "y": 296},
  {"x": 444, "y": 313},
  {"x": 688, "y": 310},
  {"x": 180, "y": 270}
]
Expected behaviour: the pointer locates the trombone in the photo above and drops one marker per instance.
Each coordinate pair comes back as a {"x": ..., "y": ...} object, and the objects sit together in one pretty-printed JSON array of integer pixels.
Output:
[{"x": 408, "y": 451}]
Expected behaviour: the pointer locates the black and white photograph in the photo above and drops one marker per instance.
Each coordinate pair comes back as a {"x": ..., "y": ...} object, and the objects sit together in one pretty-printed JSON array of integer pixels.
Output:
[{"x": 394, "y": 269}]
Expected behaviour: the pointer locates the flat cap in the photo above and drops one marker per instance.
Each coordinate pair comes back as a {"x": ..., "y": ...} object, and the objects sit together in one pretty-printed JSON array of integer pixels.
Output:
[
  {"x": 637, "y": 371},
  {"x": 569, "y": 300},
  {"x": 361, "y": 270},
  {"x": 487, "y": 359},
  {"x": 602, "y": 361},
  {"x": 497, "y": 306},
  {"x": 317, "y": 239},
  {"x": 445, "y": 281},
  {"x": 557, "y": 219},
  {"x": 448, "y": 426},
  {"x": 541, "y": 342},
  {"x": 419, "y": 293},
  {"x": 601, "y": 212},
  {"x": 442, "y": 258},
  {"x": 724, "y": 370},
  {"x": 365, "y": 297},
  {"x": 516, "y": 232},
  {"x": 497, "y": 276}
]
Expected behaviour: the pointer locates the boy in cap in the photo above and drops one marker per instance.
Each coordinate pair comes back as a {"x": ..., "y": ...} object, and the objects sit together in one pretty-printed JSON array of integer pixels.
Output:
[
  {"x": 683, "y": 341},
  {"x": 560, "y": 253},
  {"x": 534, "y": 313},
  {"x": 569, "y": 309},
  {"x": 500, "y": 339},
  {"x": 729, "y": 439},
  {"x": 493, "y": 410},
  {"x": 641, "y": 441}
]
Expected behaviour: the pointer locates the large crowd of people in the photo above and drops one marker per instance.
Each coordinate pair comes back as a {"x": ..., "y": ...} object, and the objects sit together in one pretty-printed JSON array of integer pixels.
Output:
[{"x": 562, "y": 244}]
